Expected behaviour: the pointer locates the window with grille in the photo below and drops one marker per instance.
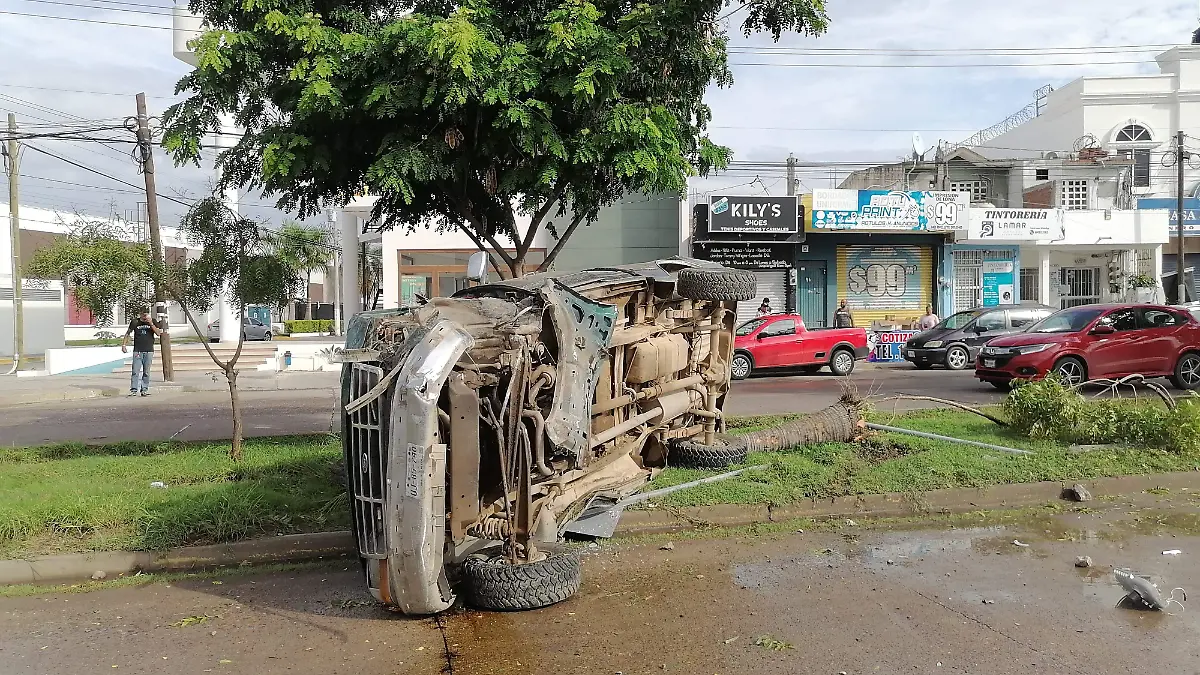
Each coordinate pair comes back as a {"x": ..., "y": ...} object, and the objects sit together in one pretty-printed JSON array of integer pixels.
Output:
[
  {"x": 978, "y": 189},
  {"x": 1141, "y": 165},
  {"x": 968, "y": 279},
  {"x": 1082, "y": 286},
  {"x": 1030, "y": 284},
  {"x": 1134, "y": 133},
  {"x": 1073, "y": 194},
  {"x": 1145, "y": 262}
]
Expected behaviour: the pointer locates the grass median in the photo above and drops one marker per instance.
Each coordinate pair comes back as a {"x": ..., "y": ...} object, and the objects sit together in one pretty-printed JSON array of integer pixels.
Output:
[{"x": 73, "y": 498}]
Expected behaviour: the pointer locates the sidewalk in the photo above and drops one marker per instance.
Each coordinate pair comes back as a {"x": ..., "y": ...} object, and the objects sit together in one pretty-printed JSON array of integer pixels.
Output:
[{"x": 51, "y": 389}]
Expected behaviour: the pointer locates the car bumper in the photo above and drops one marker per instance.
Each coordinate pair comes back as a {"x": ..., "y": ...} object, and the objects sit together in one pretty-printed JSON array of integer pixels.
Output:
[
  {"x": 861, "y": 353},
  {"x": 925, "y": 356},
  {"x": 1009, "y": 368}
]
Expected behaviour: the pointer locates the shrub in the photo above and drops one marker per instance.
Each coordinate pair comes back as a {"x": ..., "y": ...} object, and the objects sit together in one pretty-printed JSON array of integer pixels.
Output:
[
  {"x": 309, "y": 326},
  {"x": 1047, "y": 409}
]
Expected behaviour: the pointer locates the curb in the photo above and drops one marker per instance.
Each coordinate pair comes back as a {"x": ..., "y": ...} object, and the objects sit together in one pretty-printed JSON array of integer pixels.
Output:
[
  {"x": 61, "y": 396},
  {"x": 305, "y": 547},
  {"x": 79, "y": 567}
]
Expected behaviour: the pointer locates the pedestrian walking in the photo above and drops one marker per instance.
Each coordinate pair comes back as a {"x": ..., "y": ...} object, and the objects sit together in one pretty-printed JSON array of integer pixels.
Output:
[
  {"x": 765, "y": 308},
  {"x": 843, "y": 317},
  {"x": 143, "y": 331}
]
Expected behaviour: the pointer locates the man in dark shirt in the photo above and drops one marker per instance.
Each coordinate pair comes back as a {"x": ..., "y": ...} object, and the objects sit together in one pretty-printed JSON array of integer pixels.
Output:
[{"x": 143, "y": 330}]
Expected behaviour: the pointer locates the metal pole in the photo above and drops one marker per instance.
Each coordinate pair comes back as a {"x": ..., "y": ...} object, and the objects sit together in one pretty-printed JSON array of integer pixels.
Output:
[
  {"x": 14, "y": 215},
  {"x": 146, "y": 146},
  {"x": 938, "y": 437},
  {"x": 791, "y": 175},
  {"x": 1180, "y": 286}
]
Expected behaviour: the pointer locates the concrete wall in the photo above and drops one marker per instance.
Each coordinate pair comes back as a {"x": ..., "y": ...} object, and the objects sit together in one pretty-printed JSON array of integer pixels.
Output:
[
  {"x": 636, "y": 229},
  {"x": 43, "y": 319}
]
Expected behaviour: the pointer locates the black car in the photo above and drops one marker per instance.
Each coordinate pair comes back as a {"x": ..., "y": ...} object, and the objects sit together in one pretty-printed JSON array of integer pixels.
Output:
[{"x": 956, "y": 341}]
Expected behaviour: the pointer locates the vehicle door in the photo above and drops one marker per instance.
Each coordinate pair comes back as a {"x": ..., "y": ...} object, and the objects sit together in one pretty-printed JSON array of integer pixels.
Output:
[
  {"x": 257, "y": 329},
  {"x": 1162, "y": 339},
  {"x": 1118, "y": 353},
  {"x": 988, "y": 326},
  {"x": 775, "y": 344}
]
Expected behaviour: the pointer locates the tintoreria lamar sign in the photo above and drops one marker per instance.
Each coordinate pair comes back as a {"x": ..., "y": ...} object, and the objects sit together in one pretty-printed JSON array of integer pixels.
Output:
[
  {"x": 1016, "y": 224},
  {"x": 760, "y": 215}
]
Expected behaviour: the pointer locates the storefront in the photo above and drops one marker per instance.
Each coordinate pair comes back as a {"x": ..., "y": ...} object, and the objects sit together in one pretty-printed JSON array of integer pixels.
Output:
[{"x": 757, "y": 234}]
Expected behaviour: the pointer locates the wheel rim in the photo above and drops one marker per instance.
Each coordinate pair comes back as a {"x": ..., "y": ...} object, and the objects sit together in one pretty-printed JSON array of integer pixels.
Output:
[
  {"x": 741, "y": 366},
  {"x": 1189, "y": 371},
  {"x": 1071, "y": 372},
  {"x": 957, "y": 358},
  {"x": 843, "y": 362}
]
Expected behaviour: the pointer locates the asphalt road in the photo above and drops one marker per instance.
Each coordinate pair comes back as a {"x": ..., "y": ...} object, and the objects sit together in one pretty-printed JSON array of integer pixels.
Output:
[
  {"x": 853, "y": 601},
  {"x": 204, "y": 415}
]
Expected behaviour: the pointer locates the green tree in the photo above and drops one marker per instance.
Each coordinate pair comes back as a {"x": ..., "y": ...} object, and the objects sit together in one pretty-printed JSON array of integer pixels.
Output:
[
  {"x": 239, "y": 261},
  {"x": 467, "y": 115},
  {"x": 102, "y": 266},
  {"x": 305, "y": 248}
]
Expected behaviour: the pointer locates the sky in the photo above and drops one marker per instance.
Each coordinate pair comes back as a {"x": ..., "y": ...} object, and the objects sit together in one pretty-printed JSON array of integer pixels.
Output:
[{"x": 820, "y": 107}]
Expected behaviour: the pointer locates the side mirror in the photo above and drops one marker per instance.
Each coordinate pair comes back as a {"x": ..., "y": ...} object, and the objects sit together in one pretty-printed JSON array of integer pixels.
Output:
[
  {"x": 1103, "y": 329},
  {"x": 979, "y": 329},
  {"x": 760, "y": 336},
  {"x": 477, "y": 266}
]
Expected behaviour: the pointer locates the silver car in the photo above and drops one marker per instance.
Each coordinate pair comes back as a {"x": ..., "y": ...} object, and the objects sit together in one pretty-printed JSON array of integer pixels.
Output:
[{"x": 252, "y": 329}]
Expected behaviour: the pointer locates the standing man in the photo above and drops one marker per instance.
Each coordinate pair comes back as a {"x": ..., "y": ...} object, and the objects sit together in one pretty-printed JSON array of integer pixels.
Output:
[
  {"x": 843, "y": 318},
  {"x": 143, "y": 330},
  {"x": 930, "y": 320}
]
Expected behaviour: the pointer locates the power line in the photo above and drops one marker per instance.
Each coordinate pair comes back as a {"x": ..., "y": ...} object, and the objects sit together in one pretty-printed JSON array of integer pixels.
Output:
[
  {"x": 72, "y": 18},
  {"x": 105, "y": 9},
  {"x": 948, "y": 52},
  {"x": 9, "y": 85},
  {"x": 931, "y": 65}
]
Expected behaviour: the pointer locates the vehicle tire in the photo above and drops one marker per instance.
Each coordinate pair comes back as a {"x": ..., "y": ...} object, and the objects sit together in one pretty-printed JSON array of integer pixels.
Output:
[
  {"x": 923, "y": 366},
  {"x": 1070, "y": 370},
  {"x": 841, "y": 362},
  {"x": 267, "y": 336},
  {"x": 957, "y": 357},
  {"x": 686, "y": 453},
  {"x": 724, "y": 285},
  {"x": 493, "y": 582},
  {"x": 741, "y": 366},
  {"x": 1002, "y": 386},
  {"x": 1187, "y": 372}
]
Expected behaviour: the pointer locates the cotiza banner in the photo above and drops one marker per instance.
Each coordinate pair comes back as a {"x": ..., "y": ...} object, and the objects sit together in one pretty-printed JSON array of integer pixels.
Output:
[{"x": 890, "y": 211}]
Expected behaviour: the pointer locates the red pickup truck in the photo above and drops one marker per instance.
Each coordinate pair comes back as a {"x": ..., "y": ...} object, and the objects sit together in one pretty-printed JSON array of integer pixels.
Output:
[{"x": 782, "y": 341}]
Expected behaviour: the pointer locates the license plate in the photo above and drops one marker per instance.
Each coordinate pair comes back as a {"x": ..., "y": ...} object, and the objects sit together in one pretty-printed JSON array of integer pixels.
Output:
[
  {"x": 989, "y": 363},
  {"x": 912, "y": 354}
]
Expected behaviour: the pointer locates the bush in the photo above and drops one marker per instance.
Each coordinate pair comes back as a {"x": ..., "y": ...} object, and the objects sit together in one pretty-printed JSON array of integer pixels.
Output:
[
  {"x": 309, "y": 326},
  {"x": 1049, "y": 410}
]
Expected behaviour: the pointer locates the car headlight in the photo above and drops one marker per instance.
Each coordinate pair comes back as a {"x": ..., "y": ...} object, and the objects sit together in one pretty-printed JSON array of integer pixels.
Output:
[
  {"x": 1031, "y": 349},
  {"x": 933, "y": 344}
]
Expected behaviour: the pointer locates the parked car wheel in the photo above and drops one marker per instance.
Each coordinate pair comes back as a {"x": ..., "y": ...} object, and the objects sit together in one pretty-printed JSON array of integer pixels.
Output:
[
  {"x": 957, "y": 357},
  {"x": 1070, "y": 370},
  {"x": 714, "y": 285},
  {"x": 495, "y": 583},
  {"x": 842, "y": 362},
  {"x": 1187, "y": 373},
  {"x": 267, "y": 336},
  {"x": 741, "y": 366},
  {"x": 690, "y": 454}
]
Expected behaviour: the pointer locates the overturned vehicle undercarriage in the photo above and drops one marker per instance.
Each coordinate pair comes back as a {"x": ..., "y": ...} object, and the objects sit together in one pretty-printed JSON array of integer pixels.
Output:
[{"x": 477, "y": 428}]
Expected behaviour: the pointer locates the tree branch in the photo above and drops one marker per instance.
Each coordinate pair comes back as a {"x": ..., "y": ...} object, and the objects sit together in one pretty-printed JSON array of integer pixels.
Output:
[
  {"x": 942, "y": 401},
  {"x": 558, "y": 247},
  {"x": 535, "y": 222}
]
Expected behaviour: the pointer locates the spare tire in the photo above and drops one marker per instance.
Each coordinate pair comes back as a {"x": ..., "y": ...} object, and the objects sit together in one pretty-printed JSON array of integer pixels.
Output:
[
  {"x": 688, "y": 453},
  {"x": 716, "y": 285}
]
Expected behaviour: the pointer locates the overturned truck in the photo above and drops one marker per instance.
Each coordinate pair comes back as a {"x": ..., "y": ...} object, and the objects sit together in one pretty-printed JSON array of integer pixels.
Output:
[{"x": 477, "y": 428}]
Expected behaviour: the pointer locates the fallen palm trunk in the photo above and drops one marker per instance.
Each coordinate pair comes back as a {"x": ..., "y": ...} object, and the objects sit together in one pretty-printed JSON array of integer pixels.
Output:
[{"x": 841, "y": 422}]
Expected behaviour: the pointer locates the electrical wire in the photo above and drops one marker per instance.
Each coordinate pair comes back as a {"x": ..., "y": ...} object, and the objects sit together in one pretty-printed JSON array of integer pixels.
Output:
[
  {"x": 932, "y": 65},
  {"x": 105, "y": 9},
  {"x": 72, "y": 18}
]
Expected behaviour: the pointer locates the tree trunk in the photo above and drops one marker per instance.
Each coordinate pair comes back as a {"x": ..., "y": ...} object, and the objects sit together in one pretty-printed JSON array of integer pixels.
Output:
[
  {"x": 235, "y": 447},
  {"x": 839, "y": 423}
]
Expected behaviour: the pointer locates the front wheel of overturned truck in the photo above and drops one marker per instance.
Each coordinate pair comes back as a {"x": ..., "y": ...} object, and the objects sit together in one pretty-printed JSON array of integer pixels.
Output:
[{"x": 493, "y": 582}]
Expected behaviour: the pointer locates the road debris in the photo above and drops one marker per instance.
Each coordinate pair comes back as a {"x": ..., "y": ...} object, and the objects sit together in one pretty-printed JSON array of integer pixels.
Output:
[
  {"x": 851, "y": 523},
  {"x": 158, "y": 485},
  {"x": 768, "y": 642},
  {"x": 1173, "y": 551},
  {"x": 733, "y": 639},
  {"x": 1077, "y": 493},
  {"x": 191, "y": 621},
  {"x": 1141, "y": 592},
  {"x": 1018, "y": 542},
  {"x": 669, "y": 546},
  {"x": 99, "y": 575},
  {"x": 1083, "y": 561}
]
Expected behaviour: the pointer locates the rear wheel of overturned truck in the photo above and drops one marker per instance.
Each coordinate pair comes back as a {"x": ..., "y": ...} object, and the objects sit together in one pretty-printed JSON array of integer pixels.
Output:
[{"x": 493, "y": 582}]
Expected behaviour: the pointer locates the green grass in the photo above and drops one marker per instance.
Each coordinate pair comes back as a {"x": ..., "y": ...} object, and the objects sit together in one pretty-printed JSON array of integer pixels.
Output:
[
  {"x": 904, "y": 464},
  {"x": 71, "y": 497}
]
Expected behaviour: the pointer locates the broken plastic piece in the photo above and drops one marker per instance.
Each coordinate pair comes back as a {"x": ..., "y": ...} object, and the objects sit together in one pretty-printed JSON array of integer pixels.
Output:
[
  {"x": 1017, "y": 542},
  {"x": 1173, "y": 551},
  {"x": 1143, "y": 591}
]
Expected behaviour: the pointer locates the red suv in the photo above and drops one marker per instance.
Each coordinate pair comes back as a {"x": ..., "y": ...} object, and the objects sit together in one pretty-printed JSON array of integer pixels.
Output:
[{"x": 1098, "y": 341}]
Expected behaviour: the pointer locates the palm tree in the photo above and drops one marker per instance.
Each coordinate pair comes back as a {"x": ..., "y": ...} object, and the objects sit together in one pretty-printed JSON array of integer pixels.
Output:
[{"x": 304, "y": 248}]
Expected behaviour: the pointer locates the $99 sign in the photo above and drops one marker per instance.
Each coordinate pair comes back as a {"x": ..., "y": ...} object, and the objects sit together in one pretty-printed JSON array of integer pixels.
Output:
[{"x": 880, "y": 280}]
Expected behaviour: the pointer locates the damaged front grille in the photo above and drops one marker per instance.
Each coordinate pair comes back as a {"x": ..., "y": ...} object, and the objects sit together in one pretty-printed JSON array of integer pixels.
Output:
[{"x": 367, "y": 461}]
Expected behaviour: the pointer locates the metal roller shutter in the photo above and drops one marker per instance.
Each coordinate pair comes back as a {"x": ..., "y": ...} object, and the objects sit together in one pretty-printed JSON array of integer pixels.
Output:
[
  {"x": 771, "y": 284},
  {"x": 885, "y": 281}
]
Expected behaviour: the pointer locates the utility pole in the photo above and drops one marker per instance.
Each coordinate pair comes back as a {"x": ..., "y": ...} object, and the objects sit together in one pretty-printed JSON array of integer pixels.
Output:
[
  {"x": 1180, "y": 158},
  {"x": 14, "y": 225},
  {"x": 146, "y": 148},
  {"x": 791, "y": 174}
]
